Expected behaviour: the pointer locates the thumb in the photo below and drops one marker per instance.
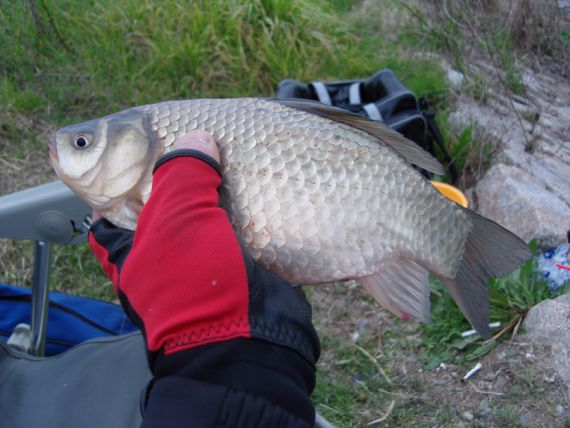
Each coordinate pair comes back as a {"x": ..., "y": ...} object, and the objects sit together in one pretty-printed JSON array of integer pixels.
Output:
[{"x": 198, "y": 140}]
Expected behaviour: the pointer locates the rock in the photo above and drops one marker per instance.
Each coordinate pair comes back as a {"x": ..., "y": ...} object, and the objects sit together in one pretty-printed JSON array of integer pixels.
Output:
[
  {"x": 564, "y": 6},
  {"x": 531, "y": 133},
  {"x": 549, "y": 323},
  {"x": 550, "y": 378},
  {"x": 547, "y": 168},
  {"x": 524, "y": 419},
  {"x": 485, "y": 412},
  {"x": 468, "y": 416},
  {"x": 520, "y": 202},
  {"x": 455, "y": 78}
]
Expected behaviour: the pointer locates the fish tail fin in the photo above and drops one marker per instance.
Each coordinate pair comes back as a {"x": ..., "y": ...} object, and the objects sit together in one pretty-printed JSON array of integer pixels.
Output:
[{"x": 490, "y": 251}]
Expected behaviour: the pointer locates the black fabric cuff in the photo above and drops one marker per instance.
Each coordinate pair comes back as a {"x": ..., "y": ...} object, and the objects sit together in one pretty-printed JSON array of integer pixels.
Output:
[
  {"x": 190, "y": 153},
  {"x": 274, "y": 373},
  {"x": 117, "y": 240}
]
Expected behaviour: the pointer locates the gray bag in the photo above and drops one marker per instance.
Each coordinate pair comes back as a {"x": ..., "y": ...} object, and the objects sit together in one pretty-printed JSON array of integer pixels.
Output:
[{"x": 99, "y": 383}]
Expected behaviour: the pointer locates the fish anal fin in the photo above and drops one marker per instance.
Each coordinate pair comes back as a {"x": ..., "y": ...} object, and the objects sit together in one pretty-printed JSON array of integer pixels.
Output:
[{"x": 401, "y": 286}]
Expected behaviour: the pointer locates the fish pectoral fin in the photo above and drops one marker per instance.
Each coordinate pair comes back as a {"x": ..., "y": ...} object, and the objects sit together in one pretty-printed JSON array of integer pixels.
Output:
[
  {"x": 401, "y": 286},
  {"x": 409, "y": 150}
]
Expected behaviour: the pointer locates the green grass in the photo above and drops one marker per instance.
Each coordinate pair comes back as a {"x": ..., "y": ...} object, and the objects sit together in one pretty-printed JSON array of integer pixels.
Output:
[
  {"x": 443, "y": 34},
  {"x": 462, "y": 26},
  {"x": 13, "y": 97},
  {"x": 111, "y": 55},
  {"x": 352, "y": 382},
  {"x": 75, "y": 270},
  {"x": 17, "y": 138},
  {"x": 502, "y": 47},
  {"x": 108, "y": 55}
]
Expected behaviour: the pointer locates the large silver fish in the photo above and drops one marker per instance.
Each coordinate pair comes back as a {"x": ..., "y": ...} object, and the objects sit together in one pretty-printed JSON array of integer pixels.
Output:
[{"x": 315, "y": 193}]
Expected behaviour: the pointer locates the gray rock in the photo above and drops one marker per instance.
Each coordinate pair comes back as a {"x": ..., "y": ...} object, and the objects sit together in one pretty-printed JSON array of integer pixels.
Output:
[
  {"x": 532, "y": 135},
  {"x": 468, "y": 416},
  {"x": 485, "y": 411},
  {"x": 520, "y": 202},
  {"x": 549, "y": 323},
  {"x": 524, "y": 419},
  {"x": 564, "y": 6},
  {"x": 455, "y": 78}
]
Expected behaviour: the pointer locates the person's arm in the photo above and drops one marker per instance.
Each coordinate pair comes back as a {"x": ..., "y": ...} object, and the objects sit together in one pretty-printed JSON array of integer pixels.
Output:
[{"x": 229, "y": 343}]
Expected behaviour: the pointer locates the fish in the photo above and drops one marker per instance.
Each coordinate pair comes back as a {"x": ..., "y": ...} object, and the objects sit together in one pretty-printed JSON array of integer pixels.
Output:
[{"x": 315, "y": 193}]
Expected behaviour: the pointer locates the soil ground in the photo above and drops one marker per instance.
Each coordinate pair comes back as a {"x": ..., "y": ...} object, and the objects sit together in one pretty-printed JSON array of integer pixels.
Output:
[{"x": 515, "y": 386}]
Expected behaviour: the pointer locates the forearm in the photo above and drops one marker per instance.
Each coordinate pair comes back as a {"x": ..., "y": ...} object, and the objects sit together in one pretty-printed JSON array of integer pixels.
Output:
[{"x": 267, "y": 380}]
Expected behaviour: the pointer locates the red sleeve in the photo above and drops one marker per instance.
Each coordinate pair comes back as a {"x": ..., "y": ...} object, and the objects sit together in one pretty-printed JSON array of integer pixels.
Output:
[{"x": 185, "y": 276}]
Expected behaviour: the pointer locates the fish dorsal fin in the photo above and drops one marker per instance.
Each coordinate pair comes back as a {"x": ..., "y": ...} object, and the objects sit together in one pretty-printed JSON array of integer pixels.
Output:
[
  {"x": 401, "y": 286},
  {"x": 406, "y": 148}
]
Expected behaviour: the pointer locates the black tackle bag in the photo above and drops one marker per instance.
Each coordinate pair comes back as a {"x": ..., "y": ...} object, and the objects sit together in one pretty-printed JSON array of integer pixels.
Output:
[{"x": 382, "y": 97}]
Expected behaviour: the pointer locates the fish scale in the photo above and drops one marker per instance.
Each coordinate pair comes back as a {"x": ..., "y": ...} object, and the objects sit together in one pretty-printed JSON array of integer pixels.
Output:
[{"x": 314, "y": 193}]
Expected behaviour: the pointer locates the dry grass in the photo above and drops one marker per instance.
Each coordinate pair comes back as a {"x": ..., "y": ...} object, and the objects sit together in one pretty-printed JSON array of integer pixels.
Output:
[
  {"x": 23, "y": 151},
  {"x": 536, "y": 26}
]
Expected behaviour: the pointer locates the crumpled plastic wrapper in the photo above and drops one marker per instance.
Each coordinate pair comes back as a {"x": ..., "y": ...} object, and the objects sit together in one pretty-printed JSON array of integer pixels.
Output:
[{"x": 555, "y": 266}]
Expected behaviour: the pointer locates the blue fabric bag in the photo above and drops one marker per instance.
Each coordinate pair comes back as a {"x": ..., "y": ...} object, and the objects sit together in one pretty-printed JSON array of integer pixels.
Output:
[{"x": 71, "y": 319}]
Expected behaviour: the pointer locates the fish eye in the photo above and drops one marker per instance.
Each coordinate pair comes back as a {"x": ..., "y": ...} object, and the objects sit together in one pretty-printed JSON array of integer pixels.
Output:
[{"x": 81, "y": 142}]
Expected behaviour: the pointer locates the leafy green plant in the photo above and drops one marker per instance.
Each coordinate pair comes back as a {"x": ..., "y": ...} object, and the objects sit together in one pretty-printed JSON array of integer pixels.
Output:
[{"x": 471, "y": 152}]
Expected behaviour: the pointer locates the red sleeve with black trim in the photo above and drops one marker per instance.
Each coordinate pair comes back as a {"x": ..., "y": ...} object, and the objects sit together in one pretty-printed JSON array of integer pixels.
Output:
[{"x": 184, "y": 243}]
